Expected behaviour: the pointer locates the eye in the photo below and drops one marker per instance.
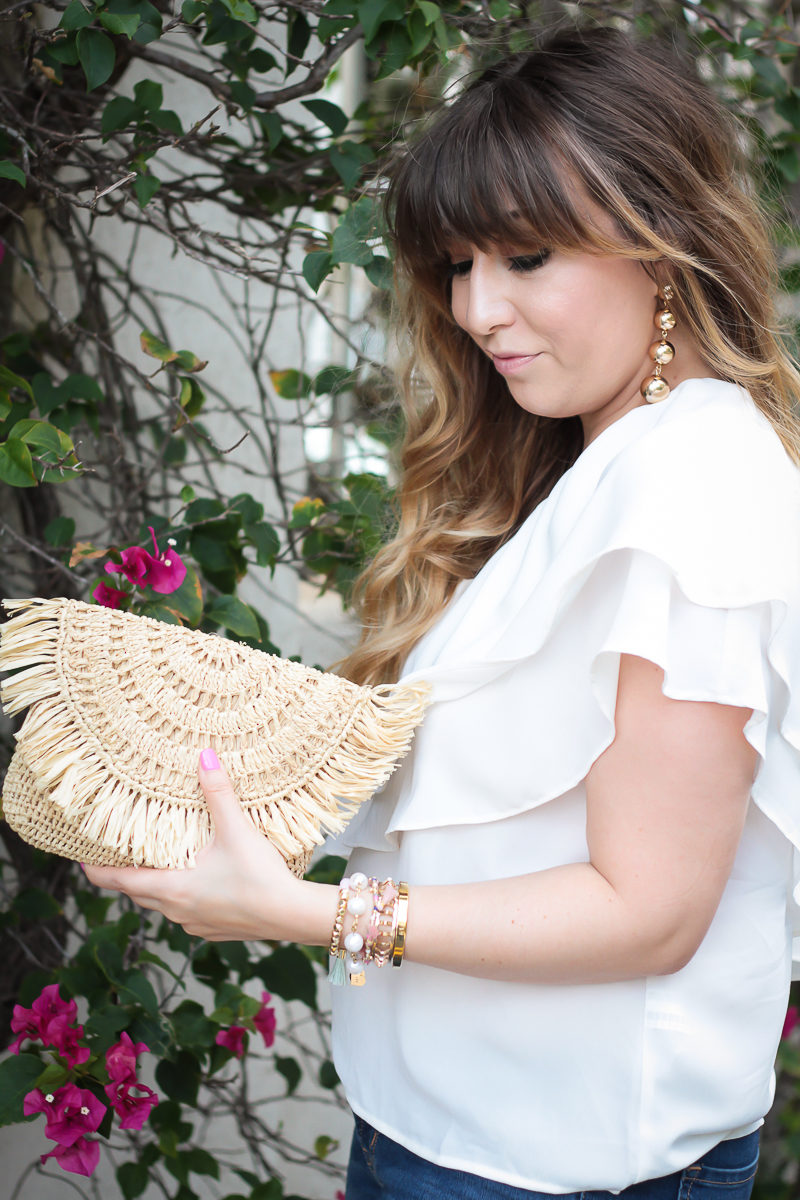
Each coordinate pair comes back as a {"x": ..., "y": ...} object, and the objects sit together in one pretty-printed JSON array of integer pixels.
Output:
[
  {"x": 454, "y": 269},
  {"x": 529, "y": 262}
]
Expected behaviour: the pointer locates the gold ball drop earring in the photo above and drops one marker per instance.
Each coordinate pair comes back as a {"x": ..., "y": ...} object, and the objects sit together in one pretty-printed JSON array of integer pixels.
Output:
[{"x": 655, "y": 387}]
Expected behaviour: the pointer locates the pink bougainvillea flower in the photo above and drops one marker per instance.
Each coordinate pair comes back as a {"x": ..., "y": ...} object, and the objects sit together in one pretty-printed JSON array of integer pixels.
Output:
[
  {"x": 121, "y": 1060},
  {"x": 71, "y": 1112},
  {"x": 132, "y": 1102},
  {"x": 232, "y": 1039},
  {"x": 50, "y": 1020},
  {"x": 107, "y": 596},
  {"x": 265, "y": 1020},
  {"x": 163, "y": 571},
  {"x": 792, "y": 1018},
  {"x": 80, "y": 1158},
  {"x": 65, "y": 1038}
]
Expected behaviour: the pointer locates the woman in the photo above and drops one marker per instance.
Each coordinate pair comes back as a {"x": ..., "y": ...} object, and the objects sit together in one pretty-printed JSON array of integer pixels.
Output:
[{"x": 596, "y": 571}]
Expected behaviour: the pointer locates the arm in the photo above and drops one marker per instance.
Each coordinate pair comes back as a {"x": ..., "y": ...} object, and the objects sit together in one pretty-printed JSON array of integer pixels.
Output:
[{"x": 666, "y": 804}]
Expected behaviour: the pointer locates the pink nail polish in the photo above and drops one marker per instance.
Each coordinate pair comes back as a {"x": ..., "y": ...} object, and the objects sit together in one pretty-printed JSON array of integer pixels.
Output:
[{"x": 209, "y": 760}]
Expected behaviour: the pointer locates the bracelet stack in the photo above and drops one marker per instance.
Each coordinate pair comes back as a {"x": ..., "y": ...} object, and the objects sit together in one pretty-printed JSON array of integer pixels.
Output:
[{"x": 384, "y": 937}]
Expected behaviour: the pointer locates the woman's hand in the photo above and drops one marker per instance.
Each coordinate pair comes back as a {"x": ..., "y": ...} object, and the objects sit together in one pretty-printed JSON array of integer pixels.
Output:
[{"x": 240, "y": 887}]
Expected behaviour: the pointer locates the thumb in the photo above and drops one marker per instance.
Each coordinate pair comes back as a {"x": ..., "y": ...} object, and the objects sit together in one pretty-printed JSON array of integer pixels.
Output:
[{"x": 220, "y": 796}]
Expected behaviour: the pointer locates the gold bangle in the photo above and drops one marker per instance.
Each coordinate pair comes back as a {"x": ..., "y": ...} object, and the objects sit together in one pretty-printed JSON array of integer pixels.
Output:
[
  {"x": 399, "y": 948},
  {"x": 336, "y": 932}
]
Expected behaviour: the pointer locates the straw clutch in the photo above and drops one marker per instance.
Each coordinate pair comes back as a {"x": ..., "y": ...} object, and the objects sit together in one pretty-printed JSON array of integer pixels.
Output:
[{"x": 105, "y": 768}]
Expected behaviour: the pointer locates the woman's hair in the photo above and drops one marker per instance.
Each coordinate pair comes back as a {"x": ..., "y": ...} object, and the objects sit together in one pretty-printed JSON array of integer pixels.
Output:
[{"x": 590, "y": 113}]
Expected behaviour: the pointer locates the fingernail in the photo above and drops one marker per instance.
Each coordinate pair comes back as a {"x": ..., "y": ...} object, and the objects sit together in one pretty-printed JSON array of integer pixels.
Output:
[
  {"x": 209, "y": 760},
  {"x": 82, "y": 867}
]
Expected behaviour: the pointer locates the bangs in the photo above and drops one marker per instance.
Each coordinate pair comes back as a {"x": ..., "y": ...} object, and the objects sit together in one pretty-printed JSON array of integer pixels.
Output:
[{"x": 491, "y": 171}]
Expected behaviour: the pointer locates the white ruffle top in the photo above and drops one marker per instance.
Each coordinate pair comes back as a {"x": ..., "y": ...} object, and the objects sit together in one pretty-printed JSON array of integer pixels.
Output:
[{"x": 675, "y": 536}]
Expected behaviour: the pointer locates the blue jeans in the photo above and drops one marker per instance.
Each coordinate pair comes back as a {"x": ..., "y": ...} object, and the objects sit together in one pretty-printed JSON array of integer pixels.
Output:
[{"x": 380, "y": 1169}]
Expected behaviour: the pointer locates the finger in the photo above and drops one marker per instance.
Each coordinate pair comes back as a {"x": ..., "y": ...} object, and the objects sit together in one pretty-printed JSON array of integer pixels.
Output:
[
  {"x": 122, "y": 879},
  {"x": 220, "y": 796}
]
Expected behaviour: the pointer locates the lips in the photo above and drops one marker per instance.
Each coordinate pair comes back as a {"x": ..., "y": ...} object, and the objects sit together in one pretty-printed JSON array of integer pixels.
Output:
[{"x": 508, "y": 364}]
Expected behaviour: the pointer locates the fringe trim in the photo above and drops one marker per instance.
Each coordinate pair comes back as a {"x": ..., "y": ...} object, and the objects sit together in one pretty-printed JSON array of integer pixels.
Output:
[{"x": 164, "y": 831}]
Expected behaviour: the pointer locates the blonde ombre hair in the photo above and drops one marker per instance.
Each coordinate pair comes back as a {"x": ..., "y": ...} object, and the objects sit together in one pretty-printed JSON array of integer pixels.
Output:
[{"x": 631, "y": 125}]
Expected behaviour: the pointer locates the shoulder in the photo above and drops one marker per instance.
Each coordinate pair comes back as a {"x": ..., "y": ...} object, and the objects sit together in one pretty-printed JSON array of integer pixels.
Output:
[
  {"x": 708, "y": 488},
  {"x": 711, "y": 444}
]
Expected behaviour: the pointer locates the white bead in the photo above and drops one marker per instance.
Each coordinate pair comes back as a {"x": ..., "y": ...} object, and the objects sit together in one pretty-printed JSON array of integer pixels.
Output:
[
  {"x": 345, "y": 884},
  {"x": 357, "y": 905},
  {"x": 358, "y": 880},
  {"x": 354, "y": 966},
  {"x": 353, "y": 942}
]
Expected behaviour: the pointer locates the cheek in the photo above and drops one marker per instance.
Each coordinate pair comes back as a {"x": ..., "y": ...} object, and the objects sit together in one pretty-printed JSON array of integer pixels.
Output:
[{"x": 458, "y": 303}]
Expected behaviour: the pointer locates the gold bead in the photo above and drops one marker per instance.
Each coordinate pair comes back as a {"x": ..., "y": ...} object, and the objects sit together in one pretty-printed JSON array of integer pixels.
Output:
[
  {"x": 662, "y": 352},
  {"x": 655, "y": 388},
  {"x": 665, "y": 319}
]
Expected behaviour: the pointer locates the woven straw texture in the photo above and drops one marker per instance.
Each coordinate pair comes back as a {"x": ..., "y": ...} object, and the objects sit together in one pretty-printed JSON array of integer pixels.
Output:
[{"x": 105, "y": 768}]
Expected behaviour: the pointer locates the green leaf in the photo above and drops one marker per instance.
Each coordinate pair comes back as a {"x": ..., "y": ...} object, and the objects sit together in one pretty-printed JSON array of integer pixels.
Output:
[
  {"x": 145, "y": 187},
  {"x": 291, "y": 384},
  {"x": 8, "y": 170},
  {"x": 133, "y": 1178},
  {"x": 190, "y": 362},
  {"x": 234, "y": 615},
  {"x": 273, "y": 127},
  {"x": 149, "y": 95},
  {"x": 156, "y": 348},
  {"x": 18, "y": 1075},
  {"x": 36, "y": 905},
  {"x": 380, "y": 273},
  {"x": 60, "y": 531},
  {"x": 328, "y": 1077},
  {"x": 373, "y": 13},
  {"x": 299, "y": 37},
  {"x": 203, "y": 509},
  {"x": 52, "y": 1077},
  {"x": 40, "y": 435},
  {"x": 431, "y": 11},
  {"x": 121, "y": 23},
  {"x": 241, "y": 10},
  {"x": 334, "y": 378},
  {"x": 137, "y": 989},
  {"x": 358, "y": 226},
  {"x": 323, "y": 1145},
  {"x": 200, "y": 1162},
  {"x": 288, "y": 974},
  {"x": 118, "y": 113},
  {"x": 317, "y": 266},
  {"x": 16, "y": 464},
  {"x": 289, "y": 1068},
  {"x": 9, "y": 379},
  {"x": 96, "y": 56},
  {"x": 187, "y": 493},
  {"x": 266, "y": 542},
  {"x": 330, "y": 114},
  {"x": 188, "y": 599},
  {"x": 180, "y": 1079},
  {"x": 193, "y": 1030},
  {"x": 191, "y": 10},
  {"x": 75, "y": 16}
]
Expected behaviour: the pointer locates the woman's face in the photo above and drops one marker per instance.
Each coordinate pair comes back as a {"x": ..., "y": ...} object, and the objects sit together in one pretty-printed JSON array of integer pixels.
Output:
[{"x": 569, "y": 331}]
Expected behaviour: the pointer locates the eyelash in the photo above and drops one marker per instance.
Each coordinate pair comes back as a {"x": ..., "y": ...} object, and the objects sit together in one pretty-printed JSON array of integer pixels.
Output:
[{"x": 521, "y": 263}]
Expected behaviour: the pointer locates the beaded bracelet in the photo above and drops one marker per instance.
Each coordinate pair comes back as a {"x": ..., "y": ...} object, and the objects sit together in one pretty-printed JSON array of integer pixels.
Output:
[{"x": 385, "y": 934}]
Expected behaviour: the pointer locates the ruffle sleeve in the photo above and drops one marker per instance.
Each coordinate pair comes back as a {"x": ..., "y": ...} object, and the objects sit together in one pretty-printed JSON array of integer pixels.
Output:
[{"x": 674, "y": 537}]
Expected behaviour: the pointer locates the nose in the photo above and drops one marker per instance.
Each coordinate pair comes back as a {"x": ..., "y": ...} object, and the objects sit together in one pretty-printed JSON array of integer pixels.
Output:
[{"x": 488, "y": 305}]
